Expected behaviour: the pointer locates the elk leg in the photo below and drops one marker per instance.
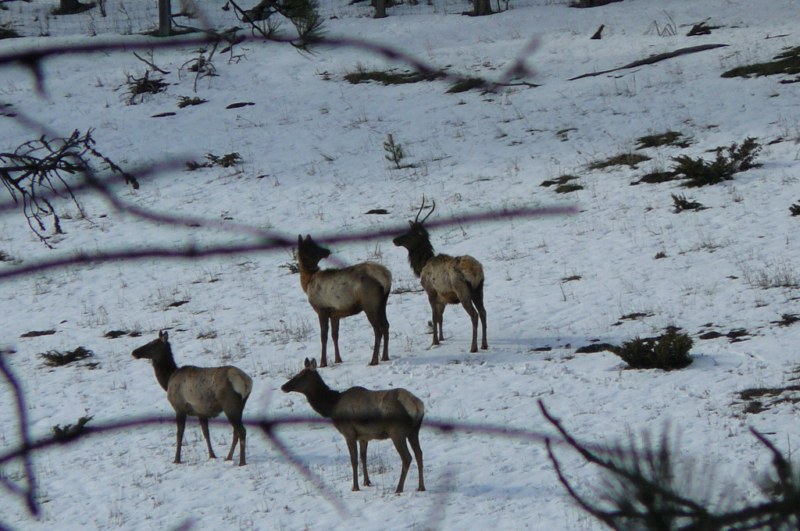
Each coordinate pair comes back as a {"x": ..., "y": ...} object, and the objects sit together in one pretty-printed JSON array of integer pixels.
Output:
[
  {"x": 180, "y": 420},
  {"x": 413, "y": 438},
  {"x": 239, "y": 434},
  {"x": 473, "y": 315},
  {"x": 478, "y": 300},
  {"x": 235, "y": 439},
  {"x": 323, "y": 337},
  {"x": 351, "y": 447},
  {"x": 204, "y": 428},
  {"x": 242, "y": 445},
  {"x": 385, "y": 332},
  {"x": 385, "y": 328},
  {"x": 335, "y": 335},
  {"x": 435, "y": 319},
  {"x": 362, "y": 448},
  {"x": 377, "y": 322},
  {"x": 405, "y": 456},
  {"x": 441, "y": 322}
]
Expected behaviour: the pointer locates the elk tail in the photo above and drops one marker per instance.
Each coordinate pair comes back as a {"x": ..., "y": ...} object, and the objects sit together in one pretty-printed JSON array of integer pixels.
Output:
[{"x": 241, "y": 382}]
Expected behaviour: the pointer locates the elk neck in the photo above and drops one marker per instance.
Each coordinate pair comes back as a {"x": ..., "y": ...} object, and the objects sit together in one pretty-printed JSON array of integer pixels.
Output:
[
  {"x": 322, "y": 398},
  {"x": 164, "y": 365},
  {"x": 307, "y": 272},
  {"x": 419, "y": 255}
]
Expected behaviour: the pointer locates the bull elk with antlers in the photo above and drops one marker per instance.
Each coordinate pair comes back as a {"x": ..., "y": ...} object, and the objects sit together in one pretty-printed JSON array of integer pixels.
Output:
[
  {"x": 337, "y": 293},
  {"x": 446, "y": 279}
]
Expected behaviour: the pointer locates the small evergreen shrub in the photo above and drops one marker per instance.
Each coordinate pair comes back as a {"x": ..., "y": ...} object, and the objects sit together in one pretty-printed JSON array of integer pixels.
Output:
[
  {"x": 787, "y": 62},
  {"x": 224, "y": 161},
  {"x": 53, "y": 358},
  {"x": 186, "y": 101},
  {"x": 391, "y": 77},
  {"x": 670, "y": 138},
  {"x": 669, "y": 351},
  {"x": 70, "y": 431},
  {"x": 563, "y": 184},
  {"x": 729, "y": 161},
  {"x": 623, "y": 159},
  {"x": 682, "y": 204},
  {"x": 394, "y": 151}
]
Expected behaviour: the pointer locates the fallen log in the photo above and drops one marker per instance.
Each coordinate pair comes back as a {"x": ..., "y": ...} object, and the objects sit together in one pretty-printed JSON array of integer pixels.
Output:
[{"x": 654, "y": 59}]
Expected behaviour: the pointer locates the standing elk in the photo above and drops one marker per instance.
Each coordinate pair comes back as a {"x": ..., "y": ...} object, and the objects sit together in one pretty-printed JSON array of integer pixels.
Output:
[
  {"x": 446, "y": 279},
  {"x": 362, "y": 415},
  {"x": 338, "y": 293},
  {"x": 204, "y": 392}
]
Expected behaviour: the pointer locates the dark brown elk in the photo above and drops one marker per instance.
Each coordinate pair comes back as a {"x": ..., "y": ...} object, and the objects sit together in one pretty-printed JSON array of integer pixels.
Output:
[
  {"x": 338, "y": 293},
  {"x": 446, "y": 279},
  {"x": 202, "y": 392},
  {"x": 362, "y": 415}
]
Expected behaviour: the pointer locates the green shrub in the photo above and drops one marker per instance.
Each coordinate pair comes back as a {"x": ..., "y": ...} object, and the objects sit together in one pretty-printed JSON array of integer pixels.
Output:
[
  {"x": 54, "y": 358},
  {"x": 682, "y": 204},
  {"x": 70, "y": 431},
  {"x": 729, "y": 161},
  {"x": 623, "y": 159},
  {"x": 668, "y": 352},
  {"x": 670, "y": 138}
]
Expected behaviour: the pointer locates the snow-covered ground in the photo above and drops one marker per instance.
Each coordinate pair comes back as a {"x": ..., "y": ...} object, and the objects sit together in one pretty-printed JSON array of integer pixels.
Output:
[{"x": 313, "y": 162}]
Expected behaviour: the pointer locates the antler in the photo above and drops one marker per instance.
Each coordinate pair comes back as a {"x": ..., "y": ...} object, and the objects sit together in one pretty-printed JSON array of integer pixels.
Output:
[
  {"x": 422, "y": 206},
  {"x": 433, "y": 207}
]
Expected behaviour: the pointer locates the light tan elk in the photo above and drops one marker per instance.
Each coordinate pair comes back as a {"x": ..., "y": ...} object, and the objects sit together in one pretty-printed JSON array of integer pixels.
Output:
[
  {"x": 203, "y": 392},
  {"x": 446, "y": 279},
  {"x": 338, "y": 293},
  {"x": 362, "y": 415}
]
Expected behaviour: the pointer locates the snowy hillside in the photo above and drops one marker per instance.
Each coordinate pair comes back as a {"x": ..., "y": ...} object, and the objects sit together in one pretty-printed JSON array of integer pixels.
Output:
[{"x": 312, "y": 161}]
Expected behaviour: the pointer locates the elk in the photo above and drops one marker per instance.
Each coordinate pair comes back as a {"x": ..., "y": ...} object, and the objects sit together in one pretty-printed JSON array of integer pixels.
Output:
[
  {"x": 204, "y": 392},
  {"x": 338, "y": 293},
  {"x": 446, "y": 279},
  {"x": 362, "y": 415}
]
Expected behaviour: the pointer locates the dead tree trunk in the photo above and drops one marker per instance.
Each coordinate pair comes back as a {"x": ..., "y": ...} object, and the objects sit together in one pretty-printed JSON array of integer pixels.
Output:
[
  {"x": 380, "y": 9},
  {"x": 164, "y": 18},
  {"x": 481, "y": 8}
]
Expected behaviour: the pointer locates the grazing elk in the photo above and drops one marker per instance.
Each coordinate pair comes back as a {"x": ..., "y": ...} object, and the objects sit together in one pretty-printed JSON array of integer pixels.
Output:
[
  {"x": 362, "y": 415},
  {"x": 204, "y": 392},
  {"x": 337, "y": 293},
  {"x": 446, "y": 279}
]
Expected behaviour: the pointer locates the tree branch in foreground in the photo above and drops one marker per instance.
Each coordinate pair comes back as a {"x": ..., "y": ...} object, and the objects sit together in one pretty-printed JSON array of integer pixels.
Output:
[{"x": 642, "y": 490}]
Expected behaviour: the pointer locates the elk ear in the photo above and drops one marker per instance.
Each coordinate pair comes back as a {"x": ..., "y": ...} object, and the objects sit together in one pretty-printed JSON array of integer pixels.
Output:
[
  {"x": 163, "y": 336},
  {"x": 313, "y": 365},
  {"x": 299, "y": 239}
]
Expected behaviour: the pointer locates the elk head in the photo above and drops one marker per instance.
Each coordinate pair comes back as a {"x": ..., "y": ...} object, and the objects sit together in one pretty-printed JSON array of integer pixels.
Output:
[{"x": 417, "y": 233}]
